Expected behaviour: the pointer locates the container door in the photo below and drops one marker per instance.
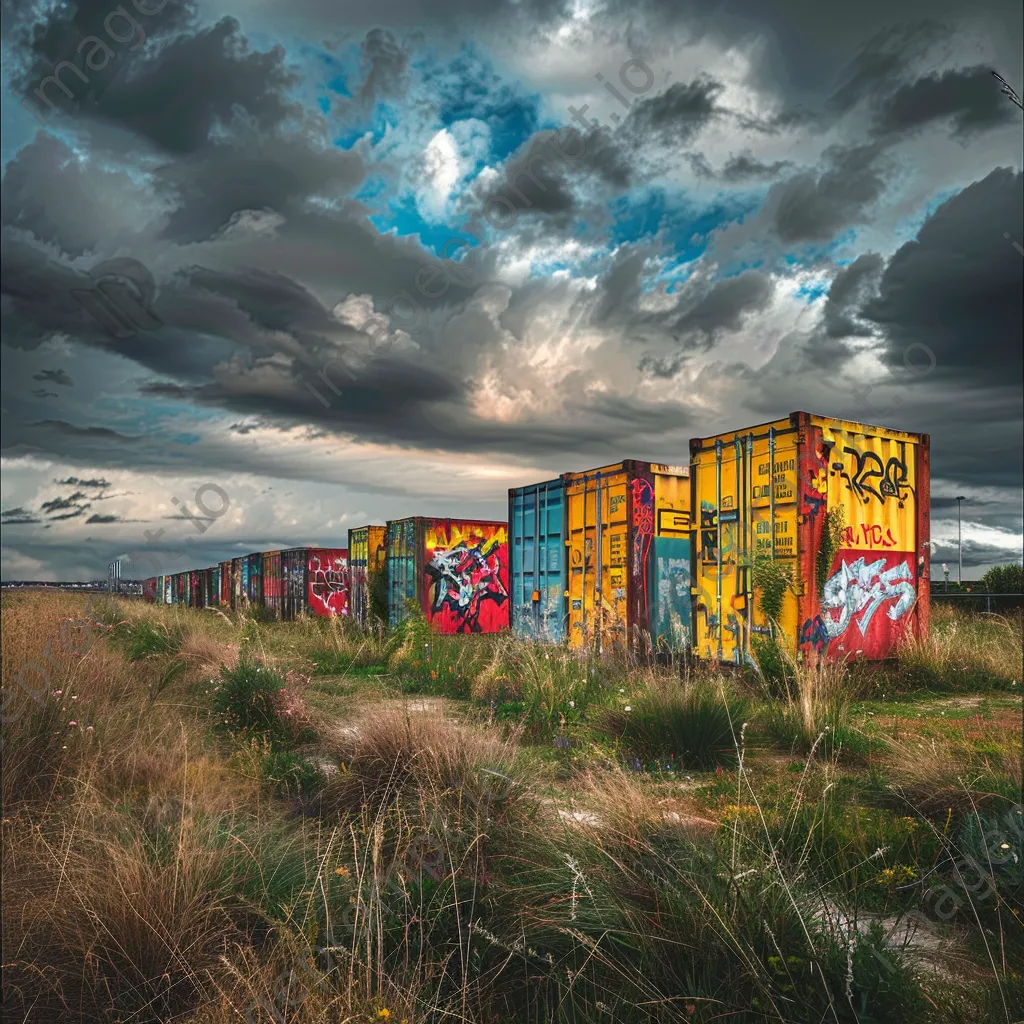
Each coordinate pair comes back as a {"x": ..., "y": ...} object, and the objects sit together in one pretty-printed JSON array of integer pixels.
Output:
[
  {"x": 869, "y": 489},
  {"x": 598, "y": 535},
  {"x": 746, "y": 490},
  {"x": 401, "y": 563},
  {"x": 358, "y": 553},
  {"x": 670, "y": 576},
  {"x": 538, "y": 561}
]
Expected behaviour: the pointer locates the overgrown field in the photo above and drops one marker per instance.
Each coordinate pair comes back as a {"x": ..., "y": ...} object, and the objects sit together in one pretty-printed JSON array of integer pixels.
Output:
[{"x": 209, "y": 819}]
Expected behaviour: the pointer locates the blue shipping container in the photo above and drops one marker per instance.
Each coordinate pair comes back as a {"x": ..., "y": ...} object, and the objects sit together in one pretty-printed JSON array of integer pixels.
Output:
[
  {"x": 402, "y": 547},
  {"x": 536, "y": 519}
]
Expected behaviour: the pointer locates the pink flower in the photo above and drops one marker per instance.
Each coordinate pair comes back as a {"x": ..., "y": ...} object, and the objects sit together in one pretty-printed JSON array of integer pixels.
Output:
[
  {"x": 72, "y": 724},
  {"x": 88, "y": 728},
  {"x": 57, "y": 693}
]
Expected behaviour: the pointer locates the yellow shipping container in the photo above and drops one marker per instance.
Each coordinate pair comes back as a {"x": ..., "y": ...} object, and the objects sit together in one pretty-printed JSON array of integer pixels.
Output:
[
  {"x": 628, "y": 542},
  {"x": 839, "y": 510}
]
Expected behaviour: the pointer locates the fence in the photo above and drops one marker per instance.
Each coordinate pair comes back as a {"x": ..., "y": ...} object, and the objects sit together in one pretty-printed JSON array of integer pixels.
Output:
[{"x": 976, "y": 602}]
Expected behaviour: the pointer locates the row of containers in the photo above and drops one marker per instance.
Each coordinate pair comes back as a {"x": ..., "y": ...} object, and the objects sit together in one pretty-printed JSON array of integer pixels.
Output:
[{"x": 646, "y": 557}]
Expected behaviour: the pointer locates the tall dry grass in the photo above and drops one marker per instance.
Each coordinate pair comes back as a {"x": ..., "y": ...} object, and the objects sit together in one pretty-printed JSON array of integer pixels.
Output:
[{"x": 963, "y": 651}]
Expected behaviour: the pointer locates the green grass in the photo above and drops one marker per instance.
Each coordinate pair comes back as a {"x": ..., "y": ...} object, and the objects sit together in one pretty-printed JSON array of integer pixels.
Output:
[
  {"x": 676, "y": 727},
  {"x": 144, "y": 638}
]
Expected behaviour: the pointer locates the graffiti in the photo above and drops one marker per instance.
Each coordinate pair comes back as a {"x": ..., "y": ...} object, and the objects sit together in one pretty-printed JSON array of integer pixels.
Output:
[
  {"x": 672, "y": 596},
  {"x": 813, "y": 633},
  {"x": 860, "y": 589},
  {"x": 643, "y": 527},
  {"x": 870, "y": 535},
  {"x": 468, "y": 584},
  {"x": 708, "y": 532},
  {"x": 892, "y": 476},
  {"x": 328, "y": 582}
]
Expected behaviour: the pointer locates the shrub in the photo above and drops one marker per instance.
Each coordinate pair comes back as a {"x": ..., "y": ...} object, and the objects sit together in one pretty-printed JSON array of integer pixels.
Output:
[
  {"x": 544, "y": 686},
  {"x": 1003, "y": 579},
  {"x": 696, "y": 726},
  {"x": 831, "y": 534},
  {"x": 292, "y": 773},
  {"x": 772, "y": 579},
  {"x": 143, "y": 638},
  {"x": 394, "y": 755},
  {"x": 244, "y": 700}
]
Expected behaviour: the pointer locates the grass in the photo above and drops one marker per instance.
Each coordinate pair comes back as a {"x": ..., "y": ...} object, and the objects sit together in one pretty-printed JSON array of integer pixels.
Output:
[
  {"x": 964, "y": 652},
  {"x": 457, "y": 829},
  {"x": 667, "y": 726}
]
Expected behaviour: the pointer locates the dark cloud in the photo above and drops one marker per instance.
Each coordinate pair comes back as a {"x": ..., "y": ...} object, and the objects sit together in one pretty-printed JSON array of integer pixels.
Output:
[
  {"x": 57, "y": 504},
  {"x": 850, "y": 288},
  {"x": 176, "y": 93},
  {"x": 43, "y": 393},
  {"x": 969, "y": 98},
  {"x": 747, "y": 168},
  {"x": 74, "y": 481},
  {"x": 94, "y": 518},
  {"x": 813, "y": 207},
  {"x": 662, "y": 367},
  {"x": 975, "y": 555},
  {"x": 957, "y": 288},
  {"x": 57, "y": 376},
  {"x": 725, "y": 306},
  {"x": 269, "y": 174},
  {"x": 678, "y": 114},
  {"x": 384, "y": 65}
]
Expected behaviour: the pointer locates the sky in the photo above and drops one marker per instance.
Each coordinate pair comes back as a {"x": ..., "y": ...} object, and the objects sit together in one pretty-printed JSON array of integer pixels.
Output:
[{"x": 271, "y": 271}]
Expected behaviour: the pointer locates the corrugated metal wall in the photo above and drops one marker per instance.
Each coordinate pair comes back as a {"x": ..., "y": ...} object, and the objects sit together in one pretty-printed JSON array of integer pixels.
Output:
[
  {"x": 767, "y": 492},
  {"x": 537, "y": 535}
]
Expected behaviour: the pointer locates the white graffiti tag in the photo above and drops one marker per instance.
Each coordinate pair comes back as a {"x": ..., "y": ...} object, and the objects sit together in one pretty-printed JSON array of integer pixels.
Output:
[{"x": 862, "y": 587}]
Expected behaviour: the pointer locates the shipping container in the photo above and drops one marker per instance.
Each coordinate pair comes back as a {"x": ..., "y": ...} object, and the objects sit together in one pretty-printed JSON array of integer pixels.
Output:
[
  {"x": 629, "y": 530},
  {"x": 839, "y": 507},
  {"x": 225, "y": 579},
  {"x": 456, "y": 570},
  {"x": 366, "y": 555},
  {"x": 294, "y": 566},
  {"x": 272, "y": 582},
  {"x": 254, "y": 584},
  {"x": 327, "y": 576},
  {"x": 314, "y": 581},
  {"x": 537, "y": 536},
  {"x": 240, "y": 576},
  {"x": 213, "y": 586},
  {"x": 149, "y": 589}
]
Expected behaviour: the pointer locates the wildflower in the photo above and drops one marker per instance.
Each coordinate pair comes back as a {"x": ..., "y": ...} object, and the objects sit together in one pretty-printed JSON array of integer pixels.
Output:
[
  {"x": 622, "y": 689},
  {"x": 57, "y": 693},
  {"x": 627, "y": 708},
  {"x": 572, "y": 703},
  {"x": 72, "y": 724},
  {"x": 88, "y": 728},
  {"x": 343, "y": 871},
  {"x": 383, "y": 1014}
]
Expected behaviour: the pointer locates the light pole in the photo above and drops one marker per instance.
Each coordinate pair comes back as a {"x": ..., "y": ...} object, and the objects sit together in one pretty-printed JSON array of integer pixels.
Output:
[{"x": 959, "y": 542}]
